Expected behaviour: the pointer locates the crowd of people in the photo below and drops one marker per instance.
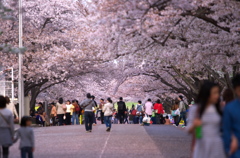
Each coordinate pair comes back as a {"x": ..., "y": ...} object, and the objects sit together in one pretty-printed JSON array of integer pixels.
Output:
[{"x": 212, "y": 121}]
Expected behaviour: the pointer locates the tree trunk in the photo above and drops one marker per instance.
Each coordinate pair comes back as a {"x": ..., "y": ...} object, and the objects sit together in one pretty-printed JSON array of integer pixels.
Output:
[{"x": 34, "y": 93}]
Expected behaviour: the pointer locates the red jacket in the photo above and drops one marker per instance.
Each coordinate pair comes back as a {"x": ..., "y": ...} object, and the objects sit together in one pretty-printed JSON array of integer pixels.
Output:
[{"x": 158, "y": 107}]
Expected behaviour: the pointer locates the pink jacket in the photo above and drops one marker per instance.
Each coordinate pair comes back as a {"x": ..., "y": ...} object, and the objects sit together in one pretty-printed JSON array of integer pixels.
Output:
[{"x": 148, "y": 108}]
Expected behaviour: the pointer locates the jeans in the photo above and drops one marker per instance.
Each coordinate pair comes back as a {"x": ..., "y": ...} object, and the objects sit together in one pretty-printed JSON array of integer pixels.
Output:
[
  {"x": 182, "y": 116},
  {"x": 5, "y": 151},
  {"x": 121, "y": 116},
  {"x": 140, "y": 119},
  {"x": 135, "y": 119},
  {"x": 75, "y": 117},
  {"x": 88, "y": 119},
  {"x": 60, "y": 119},
  {"x": 26, "y": 151},
  {"x": 108, "y": 121}
]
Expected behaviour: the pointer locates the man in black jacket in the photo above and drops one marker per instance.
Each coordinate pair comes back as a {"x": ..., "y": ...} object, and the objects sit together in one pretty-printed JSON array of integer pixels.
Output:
[{"x": 121, "y": 110}]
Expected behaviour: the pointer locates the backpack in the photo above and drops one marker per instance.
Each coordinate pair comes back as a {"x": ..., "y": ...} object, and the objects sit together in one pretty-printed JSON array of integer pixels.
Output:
[
  {"x": 134, "y": 112},
  {"x": 120, "y": 106},
  {"x": 139, "y": 108},
  {"x": 77, "y": 108}
]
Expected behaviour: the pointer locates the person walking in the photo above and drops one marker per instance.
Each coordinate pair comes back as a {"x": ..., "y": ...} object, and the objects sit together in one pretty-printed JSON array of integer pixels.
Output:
[
  {"x": 148, "y": 107},
  {"x": 88, "y": 105},
  {"x": 204, "y": 123},
  {"x": 94, "y": 110},
  {"x": 158, "y": 109},
  {"x": 26, "y": 135},
  {"x": 6, "y": 127},
  {"x": 68, "y": 113},
  {"x": 140, "y": 110},
  {"x": 182, "y": 109},
  {"x": 75, "y": 112},
  {"x": 100, "y": 107},
  {"x": 231, "y": 119},
  {"x": 11, "y": 107},
  {"x": 61, "y": 108},
  {"x": 53, "y": 114},
  {"x": 108, "y": 112},
  {"x": 121, "y": 110},
  {"x": 174, "y": 110}
]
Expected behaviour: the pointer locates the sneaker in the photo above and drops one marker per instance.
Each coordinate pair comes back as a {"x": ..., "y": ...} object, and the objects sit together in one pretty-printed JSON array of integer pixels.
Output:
[
  {"x": 90, "y": 131},
  {"x": 87, "y": 131}
]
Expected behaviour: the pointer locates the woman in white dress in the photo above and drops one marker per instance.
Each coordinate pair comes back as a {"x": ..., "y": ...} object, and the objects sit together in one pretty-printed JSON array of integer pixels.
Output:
[{"x": 205, "y": 120}]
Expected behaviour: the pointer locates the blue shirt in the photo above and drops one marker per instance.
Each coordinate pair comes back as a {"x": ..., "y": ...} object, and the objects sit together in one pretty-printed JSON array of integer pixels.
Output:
[{"x": 231, "y": 125}]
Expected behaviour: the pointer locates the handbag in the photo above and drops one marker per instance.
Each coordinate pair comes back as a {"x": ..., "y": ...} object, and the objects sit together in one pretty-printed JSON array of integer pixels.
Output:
[
  {"x": 173, "y": 113},
  {"x": 146, "y": 119},
  {"x": 177, "y": 112}
]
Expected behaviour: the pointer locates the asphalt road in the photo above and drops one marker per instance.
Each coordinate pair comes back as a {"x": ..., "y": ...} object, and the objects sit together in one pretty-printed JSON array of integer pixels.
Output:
[{"x": 124, "y": 141}]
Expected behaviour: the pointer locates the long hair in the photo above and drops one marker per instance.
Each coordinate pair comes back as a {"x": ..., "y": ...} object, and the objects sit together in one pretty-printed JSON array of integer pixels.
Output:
[
  {"x": 204, "y": 95},
  {"x": 176, "y": 104},
  {"x": 110, "y": 100}
]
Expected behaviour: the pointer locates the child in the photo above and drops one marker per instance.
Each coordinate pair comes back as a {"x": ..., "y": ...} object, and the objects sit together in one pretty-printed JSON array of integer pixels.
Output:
[
  {"x": 26, "y": 135},
  {"x": 167, "y": 121}
]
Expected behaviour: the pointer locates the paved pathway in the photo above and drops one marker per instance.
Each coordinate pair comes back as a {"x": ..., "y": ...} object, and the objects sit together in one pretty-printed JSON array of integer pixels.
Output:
[{"x": 124, "y": 141}]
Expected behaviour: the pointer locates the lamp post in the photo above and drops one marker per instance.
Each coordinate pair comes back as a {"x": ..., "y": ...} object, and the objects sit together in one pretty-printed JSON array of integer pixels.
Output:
[
  {"x": 20, "y": 63},
  {"x": 12, "y": 85}
]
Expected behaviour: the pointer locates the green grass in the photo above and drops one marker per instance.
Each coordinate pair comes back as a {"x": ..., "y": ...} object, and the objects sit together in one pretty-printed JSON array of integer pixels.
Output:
[{"x": 128, "y": 104}]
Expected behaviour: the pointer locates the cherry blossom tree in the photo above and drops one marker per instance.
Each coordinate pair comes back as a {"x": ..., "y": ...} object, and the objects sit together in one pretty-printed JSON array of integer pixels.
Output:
[
  {"x": 180, "y": 42},
  {"x": 137, "y": 48},
  {"x": 55, "y": 35}
]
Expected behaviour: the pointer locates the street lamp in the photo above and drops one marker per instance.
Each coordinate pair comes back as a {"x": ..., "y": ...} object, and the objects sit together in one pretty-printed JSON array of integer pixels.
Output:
[{"x": 20, "y": 63}]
